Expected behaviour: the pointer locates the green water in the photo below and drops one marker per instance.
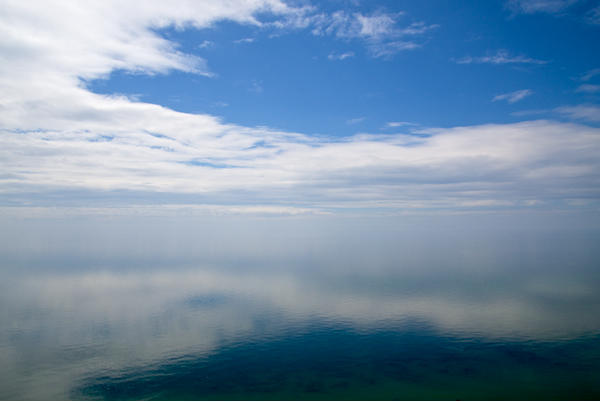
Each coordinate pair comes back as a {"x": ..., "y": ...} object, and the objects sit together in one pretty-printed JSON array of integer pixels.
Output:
[{"x": 312, "y": 310}]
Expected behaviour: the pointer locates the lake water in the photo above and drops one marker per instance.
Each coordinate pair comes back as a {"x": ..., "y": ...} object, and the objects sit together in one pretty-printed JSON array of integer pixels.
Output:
[{"x": 406, "y": 307}]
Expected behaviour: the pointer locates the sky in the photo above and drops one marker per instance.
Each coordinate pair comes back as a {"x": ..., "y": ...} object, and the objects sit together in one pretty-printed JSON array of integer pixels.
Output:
[{"x": 299, "y": 107}]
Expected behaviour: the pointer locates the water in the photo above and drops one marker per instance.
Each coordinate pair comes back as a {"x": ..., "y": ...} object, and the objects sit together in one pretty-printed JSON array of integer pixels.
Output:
[{"x": 431, "y": 307}]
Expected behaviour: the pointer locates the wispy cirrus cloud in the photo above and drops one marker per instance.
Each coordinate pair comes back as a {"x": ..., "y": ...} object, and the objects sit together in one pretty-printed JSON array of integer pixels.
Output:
[
  {"x": 588, "y": 88},
  {"x": 557, "y": 8},
  {"x": 539, "y": 6},
  {"x": 501, "y": 57},
  {"x": 513, "y": 97},
  {"x": 356, "y": 25},
  {"x": 589, "y": 74},
  {"x": 341, "y": 56},
  {"x": 592, "y": 15},
  {"x": 580, "y": 112},
  {"x": 530, "y": 112},
  {"x": 381, "y": 32},
  {"x": 356, "y": 120},
  {"x": 395, "y": 124},
  {"x": 245, "y": 40},
  {"x": 584, "y": 78},
  {"x": 206, "y": 44}
]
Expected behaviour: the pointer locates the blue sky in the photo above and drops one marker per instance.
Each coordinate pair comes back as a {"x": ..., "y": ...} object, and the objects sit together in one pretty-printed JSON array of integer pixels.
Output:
[
  {"x": 269, "y": 106},
  {"x": 279, "y": 78}
]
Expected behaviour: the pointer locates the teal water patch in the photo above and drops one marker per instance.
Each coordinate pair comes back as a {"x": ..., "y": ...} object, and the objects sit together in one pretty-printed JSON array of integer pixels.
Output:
[{"x": 325, "y": 363}]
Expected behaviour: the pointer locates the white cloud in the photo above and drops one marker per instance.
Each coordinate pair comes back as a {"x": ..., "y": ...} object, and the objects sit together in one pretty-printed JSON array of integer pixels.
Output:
[
  {"x": 355, "y": 120},
  {"x": 539, "y": 6},
  {"x": 245, "y": 40},
  {"x": 386, "y": 49},
  {"x": 588, "y": 88},
  {"x": 205, "y": 44},
  {"x": 64, "y": 37},
  {"x": 380, "y": 31},
  {"x": 592, "y": 15},
  {"x": 394, "y": 124},
  {"x": 356, "y": 25},
  {"x": 375, "y": 26},
  {"x": 580, "y": 112},
  {"x": 587, "y": 113},
  {"x": 418, "y": 28},
  {"x": 556, "y": 7},
  {"x": 530, "y": 112},
  {"x": 501, "y": 57},
  {"x": 444, "y": 168},
  {"x": 341, "y": 56},
  {"x": 589, "y": 74},
  {"x": 513, "y": 97},
  {"x": 256, "y": 87},
  {"x": 57, "y": 135},
  {"x": 170, "y": 210}
]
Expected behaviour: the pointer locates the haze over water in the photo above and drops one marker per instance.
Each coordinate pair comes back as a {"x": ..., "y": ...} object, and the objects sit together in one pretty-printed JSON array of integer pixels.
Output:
[{"x": 232, "y": 307}]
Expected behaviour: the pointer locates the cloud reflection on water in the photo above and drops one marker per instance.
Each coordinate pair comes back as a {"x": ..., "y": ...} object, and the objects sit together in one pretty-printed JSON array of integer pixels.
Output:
[{"x": 94, "y": 317}]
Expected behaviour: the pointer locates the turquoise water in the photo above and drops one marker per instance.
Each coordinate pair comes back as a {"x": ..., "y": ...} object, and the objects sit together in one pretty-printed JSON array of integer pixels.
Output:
[{"x": 299, "y": 308}]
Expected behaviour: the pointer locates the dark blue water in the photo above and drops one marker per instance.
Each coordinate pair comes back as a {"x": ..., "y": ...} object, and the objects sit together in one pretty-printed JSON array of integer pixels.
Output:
[{"x": 449, "y": 307}]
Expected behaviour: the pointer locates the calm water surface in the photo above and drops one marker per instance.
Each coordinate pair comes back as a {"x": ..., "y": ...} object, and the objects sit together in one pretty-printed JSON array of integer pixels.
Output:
[{"x": 462, "y": 307}]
